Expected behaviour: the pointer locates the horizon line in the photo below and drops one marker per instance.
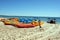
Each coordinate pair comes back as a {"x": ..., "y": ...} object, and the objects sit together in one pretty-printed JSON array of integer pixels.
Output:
[{"x": 28, "y": 16}]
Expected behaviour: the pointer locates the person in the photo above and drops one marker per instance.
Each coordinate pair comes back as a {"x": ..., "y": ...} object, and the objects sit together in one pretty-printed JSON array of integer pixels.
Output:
[
  {"x": 35, "y": 22},
  {"x": 52, "y": 21},
  {"x": 39, "y": 23}
]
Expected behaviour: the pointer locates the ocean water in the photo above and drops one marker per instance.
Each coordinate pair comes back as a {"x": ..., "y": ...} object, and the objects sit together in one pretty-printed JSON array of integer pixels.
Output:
[{"x": 28, "y": 19}]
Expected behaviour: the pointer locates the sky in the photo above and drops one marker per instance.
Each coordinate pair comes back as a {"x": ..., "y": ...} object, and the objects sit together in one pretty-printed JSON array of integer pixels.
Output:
[{"x": 50, "y": 8}]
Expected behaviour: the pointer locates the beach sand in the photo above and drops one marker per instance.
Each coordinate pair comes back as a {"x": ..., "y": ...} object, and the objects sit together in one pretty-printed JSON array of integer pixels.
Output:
[{"x": 47, "y": 32}]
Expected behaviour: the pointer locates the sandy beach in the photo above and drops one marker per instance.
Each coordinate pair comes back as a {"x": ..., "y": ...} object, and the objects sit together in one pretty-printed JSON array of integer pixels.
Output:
[{"x": 47, "y": 32}]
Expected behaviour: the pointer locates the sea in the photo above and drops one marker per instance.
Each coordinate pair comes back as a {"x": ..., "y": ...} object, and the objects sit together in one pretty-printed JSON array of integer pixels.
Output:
[{"x": 28, "y": 19}]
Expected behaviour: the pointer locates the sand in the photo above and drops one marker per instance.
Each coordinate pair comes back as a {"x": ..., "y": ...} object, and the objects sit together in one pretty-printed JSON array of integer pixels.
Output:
[{"x": 47, "y": 32}]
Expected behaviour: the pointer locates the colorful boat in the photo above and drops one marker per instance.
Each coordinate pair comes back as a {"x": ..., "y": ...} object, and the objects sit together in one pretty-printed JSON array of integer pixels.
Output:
[{"x": 15, "y": 22}]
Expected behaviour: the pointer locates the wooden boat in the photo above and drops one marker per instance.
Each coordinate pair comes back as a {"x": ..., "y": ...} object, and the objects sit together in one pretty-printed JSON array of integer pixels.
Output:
[
  {"x": 22, "y": 25},
  {"x": 18, "y": 24}
]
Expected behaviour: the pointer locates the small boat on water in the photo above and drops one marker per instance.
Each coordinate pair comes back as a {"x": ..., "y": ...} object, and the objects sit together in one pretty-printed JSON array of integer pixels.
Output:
[{"x": 52, "y": 21}]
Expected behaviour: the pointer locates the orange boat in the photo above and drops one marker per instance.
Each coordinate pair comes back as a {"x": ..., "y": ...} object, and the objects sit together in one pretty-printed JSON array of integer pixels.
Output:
[
  {"x": 22, "y": 25},
  {"x": 16, "y": 23}
]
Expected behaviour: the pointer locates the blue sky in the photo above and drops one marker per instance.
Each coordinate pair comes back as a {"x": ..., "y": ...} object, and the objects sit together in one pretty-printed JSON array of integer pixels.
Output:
[{"x": 30, "y": 7}]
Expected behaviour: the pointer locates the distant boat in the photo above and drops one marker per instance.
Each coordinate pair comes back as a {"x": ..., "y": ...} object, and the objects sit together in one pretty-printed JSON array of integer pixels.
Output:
[{"x": 52, "y": 21}]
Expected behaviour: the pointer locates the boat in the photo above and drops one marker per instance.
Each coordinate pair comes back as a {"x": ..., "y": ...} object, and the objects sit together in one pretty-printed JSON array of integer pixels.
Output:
[{"x": 15, "y": 22}]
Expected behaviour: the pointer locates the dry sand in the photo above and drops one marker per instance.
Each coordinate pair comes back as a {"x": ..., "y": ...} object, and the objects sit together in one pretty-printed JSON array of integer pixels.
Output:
[{"x": 47, "y": 32}]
